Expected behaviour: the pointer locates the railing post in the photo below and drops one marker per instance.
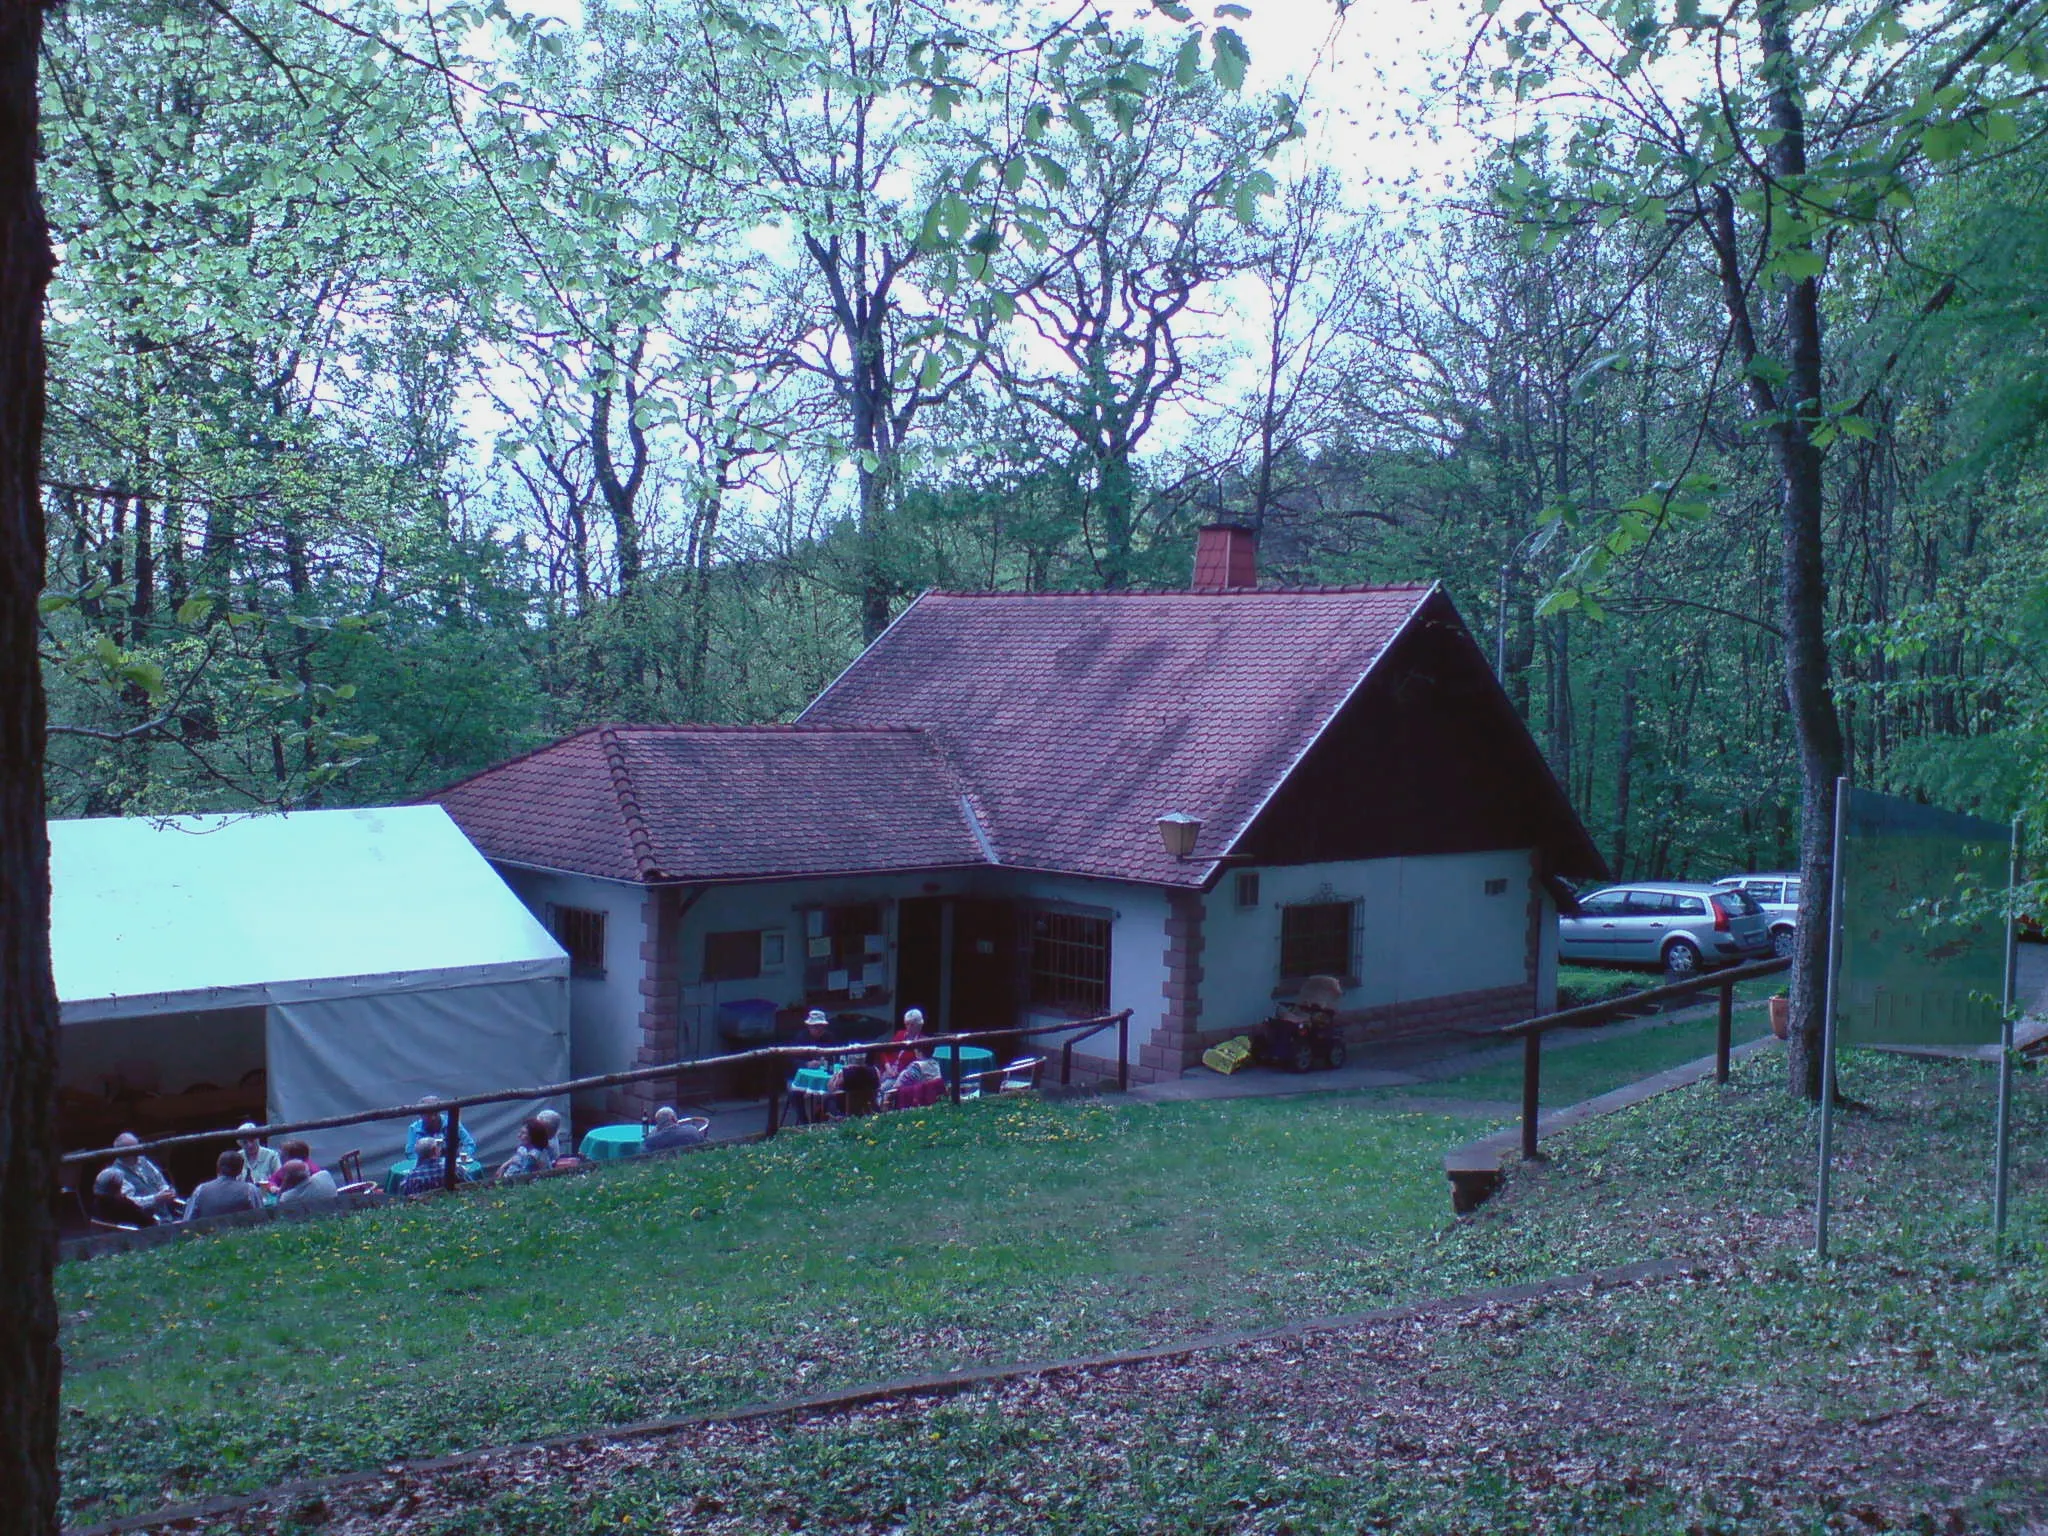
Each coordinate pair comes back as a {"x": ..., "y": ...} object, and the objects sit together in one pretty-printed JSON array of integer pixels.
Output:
[
  {"x": 774, "y": 1108},
  {"x": 953, "y": 1066},
  {"x": 1724, "y": 1032},
  {"x": 1067, "y": 1062},
  {"x": 1123, "y": 1051},
  {"x": 1532, "y": 1074},
  {"x": 451, "y": 1150}
]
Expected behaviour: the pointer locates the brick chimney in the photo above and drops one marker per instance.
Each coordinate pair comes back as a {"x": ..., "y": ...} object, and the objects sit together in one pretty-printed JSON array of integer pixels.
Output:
[{"x": 1226, "y": 558}]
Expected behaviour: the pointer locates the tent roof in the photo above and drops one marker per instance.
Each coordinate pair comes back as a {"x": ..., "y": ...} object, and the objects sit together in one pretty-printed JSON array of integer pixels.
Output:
[{"x": 150, "y": 915}]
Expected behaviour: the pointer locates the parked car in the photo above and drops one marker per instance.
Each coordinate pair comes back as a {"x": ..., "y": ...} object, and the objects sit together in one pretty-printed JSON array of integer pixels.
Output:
[
  {"x": 1678, "y": 926},
  {"x": 1778, "y": 895}
]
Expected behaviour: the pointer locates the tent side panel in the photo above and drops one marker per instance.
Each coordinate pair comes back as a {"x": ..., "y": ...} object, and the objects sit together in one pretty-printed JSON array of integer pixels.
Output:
[{"x": 340, "y": 1056}]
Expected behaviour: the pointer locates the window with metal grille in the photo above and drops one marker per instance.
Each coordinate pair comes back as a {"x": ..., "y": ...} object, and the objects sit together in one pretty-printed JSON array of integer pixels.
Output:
[
  {"x": 1315, "y": 940},
  {"x": 1497, "y": 886},
  {"x": 732, "y": 956},
  {"x": 1070, "y": 962},
  {"x": 581, "y": 932}
]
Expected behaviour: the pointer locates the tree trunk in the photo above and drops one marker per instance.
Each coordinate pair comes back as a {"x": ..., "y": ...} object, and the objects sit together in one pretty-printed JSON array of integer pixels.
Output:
[
  {"x": 28, "y": 1004},
  {"x": 1803, "y": 582}
]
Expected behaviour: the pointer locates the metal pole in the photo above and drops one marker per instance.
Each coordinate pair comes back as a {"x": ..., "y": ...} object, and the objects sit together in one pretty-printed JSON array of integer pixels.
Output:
[
  {"x": 2002, "y": 1158},
  {"x": 1532, "y": 1072},
  {"x": 1724, "y": 1032},
  {"x": 1123, "y": 1052},
  {"x": 1827, "y": 1023}
]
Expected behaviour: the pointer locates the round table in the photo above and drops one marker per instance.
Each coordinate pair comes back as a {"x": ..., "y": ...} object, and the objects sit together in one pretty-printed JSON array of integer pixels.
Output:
[
  {"x": 973, "y": 1062},
  {"x": 609, "y": 1143},
  {"x": 472, "y": 1170}
]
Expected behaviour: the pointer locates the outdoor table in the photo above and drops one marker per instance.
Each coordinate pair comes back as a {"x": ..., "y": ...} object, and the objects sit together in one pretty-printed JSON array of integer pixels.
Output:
[
  {"x": 609, "y": 1143},
  {"x": 811, "y": 1080},
  {"x": 471, "y": 1168},
  {"x": 973, "y": 1061}
]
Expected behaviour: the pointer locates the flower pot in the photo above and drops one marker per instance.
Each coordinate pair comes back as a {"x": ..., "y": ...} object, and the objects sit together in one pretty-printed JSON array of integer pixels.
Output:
[{"x": 1781, "y": 1016}]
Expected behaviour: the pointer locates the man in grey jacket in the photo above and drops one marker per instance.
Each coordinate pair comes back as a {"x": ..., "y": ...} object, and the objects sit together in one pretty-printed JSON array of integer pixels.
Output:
[
  {"x": 299, "y": 1190},
  {"x": 225, "y": 1194}
]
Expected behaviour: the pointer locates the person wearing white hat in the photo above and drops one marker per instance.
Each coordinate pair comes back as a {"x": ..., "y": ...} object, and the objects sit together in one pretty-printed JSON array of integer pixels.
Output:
[{"x": 259, "y": 1163}]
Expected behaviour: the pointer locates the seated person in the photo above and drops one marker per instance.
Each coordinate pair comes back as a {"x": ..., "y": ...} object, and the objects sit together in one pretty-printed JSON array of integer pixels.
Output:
[
  {"x": 259, "y": 1163},
  {"x": 669, "y": 1132},
  {"x": 225, "y": 1193},
  {"x": 904, "y": 1047},
  {"x": 430, "y": 1124},
  {"x": 860, "y": 1086},
  {"x": 110, "y": 1202},
  {"x": 295, "y": 1151},
  {"x": 301, "y": 1188},
  {"x": 809, "y": 1105},
  {"x": 534, "y": 1153},
  {"x": 917, "y": 1085},
  {"x": 428, "y": 1170},
  {"x": 143, "y": 1182}
]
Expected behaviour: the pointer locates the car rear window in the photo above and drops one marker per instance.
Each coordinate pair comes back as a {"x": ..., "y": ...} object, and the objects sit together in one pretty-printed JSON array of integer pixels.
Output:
[{"x": 1739, "y": 903}]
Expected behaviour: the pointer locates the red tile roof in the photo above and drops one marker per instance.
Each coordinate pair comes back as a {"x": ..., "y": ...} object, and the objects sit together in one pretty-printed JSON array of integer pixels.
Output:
[
  {"x": 1081, "y": 718},
  {"x": 654, "y": 802}
]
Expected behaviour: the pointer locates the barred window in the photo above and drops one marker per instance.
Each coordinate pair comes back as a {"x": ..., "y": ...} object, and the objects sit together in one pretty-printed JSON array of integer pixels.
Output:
[
  {"x": 1315, "y": 940},
  {"x": 1070, "y": 962},
  {"x": 581, "y": 932}
]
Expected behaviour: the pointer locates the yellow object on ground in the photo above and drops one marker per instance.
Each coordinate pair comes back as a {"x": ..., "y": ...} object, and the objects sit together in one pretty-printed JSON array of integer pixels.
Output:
[{"x": 1229, "y": 1056}]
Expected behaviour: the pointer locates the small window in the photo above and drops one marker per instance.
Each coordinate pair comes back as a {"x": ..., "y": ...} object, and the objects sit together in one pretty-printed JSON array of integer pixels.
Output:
[
  {"x": 1315, "y": 940},
  {"x": 581, "y": 932},
  {"x": 1247, "y": 888},
  {"x": 1070, "y": 962},
  {"x": 1497, "y": 887},
  {"x": 734, "y": 956},
  {"x": 774, "y": 949}
]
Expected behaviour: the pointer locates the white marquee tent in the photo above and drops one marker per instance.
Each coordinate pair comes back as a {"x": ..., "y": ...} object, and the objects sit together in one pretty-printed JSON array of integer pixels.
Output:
[{"x": 362, "y": 958}]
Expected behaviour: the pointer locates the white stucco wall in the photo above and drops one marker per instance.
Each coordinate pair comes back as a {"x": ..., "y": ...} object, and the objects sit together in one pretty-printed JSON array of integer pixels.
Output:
[
  {"x": 1426, "y": 928},
  {"x": 1137, "y": 956},
  {"x": 604, "y": 1012}
]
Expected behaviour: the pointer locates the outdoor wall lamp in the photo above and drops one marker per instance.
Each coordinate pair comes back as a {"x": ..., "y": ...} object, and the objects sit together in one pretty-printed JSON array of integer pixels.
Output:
[{"x": 1178, "y": 832}]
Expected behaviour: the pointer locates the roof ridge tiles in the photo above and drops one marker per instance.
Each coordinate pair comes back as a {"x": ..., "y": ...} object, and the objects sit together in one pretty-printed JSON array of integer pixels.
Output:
[
  {"x": 766, "y": 728},
  {"x": 1335, "y": 590},
  {"x": 638, "y": 835}
]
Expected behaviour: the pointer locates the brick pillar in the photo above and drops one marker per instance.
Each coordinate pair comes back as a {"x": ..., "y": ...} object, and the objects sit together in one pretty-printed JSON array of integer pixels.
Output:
[
  {"x": 661, "y": 999},
  {"x": 1177, "y": 1043}
]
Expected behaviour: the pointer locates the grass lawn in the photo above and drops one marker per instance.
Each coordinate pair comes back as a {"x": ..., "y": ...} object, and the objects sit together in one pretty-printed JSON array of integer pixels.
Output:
[
  {"x": 1903, "y": 1387},
  {"x": 1578, "y": 1067},
  {"x": 1011, "y": 1229}
]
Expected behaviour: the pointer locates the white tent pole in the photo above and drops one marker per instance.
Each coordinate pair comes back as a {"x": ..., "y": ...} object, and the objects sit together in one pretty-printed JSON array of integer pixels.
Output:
[{"x": 1827, "y": 1047}]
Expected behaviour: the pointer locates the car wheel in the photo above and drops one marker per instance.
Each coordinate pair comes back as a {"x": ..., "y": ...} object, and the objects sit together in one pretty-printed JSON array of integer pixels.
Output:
[
  {"x": 1782, "y": 940},
  {"x": 1304, "y": 1057},
  {"x": 1338, "y": 1055},
  {"x": 1681, "y": 958}
]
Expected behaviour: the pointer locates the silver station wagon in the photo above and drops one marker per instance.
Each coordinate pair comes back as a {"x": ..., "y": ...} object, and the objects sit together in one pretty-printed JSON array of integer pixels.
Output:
[
  {"x": 1679, "y": 927},
  {"x": 1778, "y": 895}
]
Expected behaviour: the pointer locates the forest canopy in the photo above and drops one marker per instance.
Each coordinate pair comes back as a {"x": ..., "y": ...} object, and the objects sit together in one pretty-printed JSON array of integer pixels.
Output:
[{"x": 428, "y": 383}]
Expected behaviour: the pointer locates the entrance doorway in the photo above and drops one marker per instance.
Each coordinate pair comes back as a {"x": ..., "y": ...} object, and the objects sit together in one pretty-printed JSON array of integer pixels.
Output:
[{"x": 956, "y": 958}]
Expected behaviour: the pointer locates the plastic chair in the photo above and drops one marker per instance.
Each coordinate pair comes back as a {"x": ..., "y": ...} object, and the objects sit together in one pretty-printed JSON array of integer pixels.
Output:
[{"x": 1020, "y": 1076}]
